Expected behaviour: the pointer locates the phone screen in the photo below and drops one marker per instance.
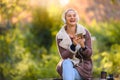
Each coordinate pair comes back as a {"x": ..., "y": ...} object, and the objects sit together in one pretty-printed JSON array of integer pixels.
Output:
[{"x": 80, "y": 35}]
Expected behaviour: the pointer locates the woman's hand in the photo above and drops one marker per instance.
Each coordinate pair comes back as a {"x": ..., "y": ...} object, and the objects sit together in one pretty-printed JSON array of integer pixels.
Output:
[
  {"x": 79, "y": 40},
  {"x": 75, "y": 40}
]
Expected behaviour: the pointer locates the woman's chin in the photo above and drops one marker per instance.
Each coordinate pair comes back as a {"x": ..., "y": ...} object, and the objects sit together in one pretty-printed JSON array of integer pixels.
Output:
[{"x": 73, "y": 24}]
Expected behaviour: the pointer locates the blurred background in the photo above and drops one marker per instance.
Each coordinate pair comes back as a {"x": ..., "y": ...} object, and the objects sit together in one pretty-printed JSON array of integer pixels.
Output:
[{"x": 27, "y": 36}]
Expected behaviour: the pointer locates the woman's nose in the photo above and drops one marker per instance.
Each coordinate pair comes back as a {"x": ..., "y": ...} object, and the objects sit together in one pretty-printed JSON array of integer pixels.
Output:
[{"x": 72, "y": 17}]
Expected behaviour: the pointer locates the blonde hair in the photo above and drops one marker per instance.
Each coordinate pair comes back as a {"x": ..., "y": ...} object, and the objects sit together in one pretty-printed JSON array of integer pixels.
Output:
[{"x": 66, "y": 11}]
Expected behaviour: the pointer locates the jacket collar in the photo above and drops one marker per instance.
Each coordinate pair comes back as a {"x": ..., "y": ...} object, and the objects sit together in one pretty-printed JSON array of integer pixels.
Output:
[{"x": 66, "y": 41}]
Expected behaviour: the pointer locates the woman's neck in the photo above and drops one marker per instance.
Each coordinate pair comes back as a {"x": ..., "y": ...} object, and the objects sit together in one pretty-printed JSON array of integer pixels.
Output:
[{"x": 71, "y": 30}]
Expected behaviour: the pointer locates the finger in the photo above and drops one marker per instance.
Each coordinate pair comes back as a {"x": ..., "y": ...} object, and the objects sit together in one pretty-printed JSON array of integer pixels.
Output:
[{"x": 78, "y": 38}]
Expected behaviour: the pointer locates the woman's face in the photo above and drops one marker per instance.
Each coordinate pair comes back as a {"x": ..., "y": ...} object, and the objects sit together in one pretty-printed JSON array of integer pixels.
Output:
[{"x": 71, "y": 18}]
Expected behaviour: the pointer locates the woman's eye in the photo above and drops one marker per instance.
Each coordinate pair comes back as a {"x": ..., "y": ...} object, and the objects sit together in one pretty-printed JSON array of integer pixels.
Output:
[
  {"x": 74, "y": 15},
  {"x": 69, "y": 16}
]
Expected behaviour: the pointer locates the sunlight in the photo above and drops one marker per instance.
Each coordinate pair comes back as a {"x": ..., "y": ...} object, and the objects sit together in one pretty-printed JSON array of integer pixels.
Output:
[{"x": 64, "y": 2}]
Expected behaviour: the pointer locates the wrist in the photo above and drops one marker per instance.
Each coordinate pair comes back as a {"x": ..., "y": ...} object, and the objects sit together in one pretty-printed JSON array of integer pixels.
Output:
[
  {"x": 74, "y": 44},
  {"x": 84, "y": 48}
]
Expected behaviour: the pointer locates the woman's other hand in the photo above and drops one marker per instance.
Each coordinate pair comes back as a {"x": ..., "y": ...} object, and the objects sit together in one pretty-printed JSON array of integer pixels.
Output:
[{"x": 79, "y": 40}]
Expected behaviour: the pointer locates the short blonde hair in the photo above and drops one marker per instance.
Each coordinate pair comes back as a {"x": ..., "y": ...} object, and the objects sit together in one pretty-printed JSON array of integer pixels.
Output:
[{"x": 66, "y": 11}]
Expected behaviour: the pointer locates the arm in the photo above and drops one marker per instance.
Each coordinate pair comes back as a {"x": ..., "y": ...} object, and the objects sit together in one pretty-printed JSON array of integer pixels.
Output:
[
  {"x": 64, "y": 53},
  {"x": 87, "y": 50}
]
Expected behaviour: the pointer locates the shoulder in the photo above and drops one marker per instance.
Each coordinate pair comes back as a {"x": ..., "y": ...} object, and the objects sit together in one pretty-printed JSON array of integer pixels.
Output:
[
  {"x": 86, "y": 30},
  {"x": 80, "y": 29},
  {"x": 61, "y": 33},
  {"x": 87, "y": 33}
]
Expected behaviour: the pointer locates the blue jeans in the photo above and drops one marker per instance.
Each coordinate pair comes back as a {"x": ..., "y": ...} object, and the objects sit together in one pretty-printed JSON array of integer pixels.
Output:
[{"x": 69, "y": 73}]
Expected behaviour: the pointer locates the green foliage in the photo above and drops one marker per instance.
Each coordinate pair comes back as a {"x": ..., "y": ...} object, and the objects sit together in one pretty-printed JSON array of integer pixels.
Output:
[
  {"x": 24, "y": 50},
  {"x": 10, "y": 7},
  {"x": 106, "y": 33},
  {"x": 106, "y": 47},
  {"x": 41, "y": 28},
  {"x": 21, "y": 59}
]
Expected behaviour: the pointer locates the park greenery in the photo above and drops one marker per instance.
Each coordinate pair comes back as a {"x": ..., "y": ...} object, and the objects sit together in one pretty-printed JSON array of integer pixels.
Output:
[{"x": 28, "y": 50}]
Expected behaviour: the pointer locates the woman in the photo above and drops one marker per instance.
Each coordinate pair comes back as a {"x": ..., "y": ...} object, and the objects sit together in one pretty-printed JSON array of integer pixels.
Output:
[{"x": 74, "y": 45}]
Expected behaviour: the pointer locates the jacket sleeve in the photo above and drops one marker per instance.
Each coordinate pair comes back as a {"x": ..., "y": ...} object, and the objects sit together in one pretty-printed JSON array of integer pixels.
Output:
[
  {"x": 87, "y": 52},
  {"x": 64, "y": 53}
]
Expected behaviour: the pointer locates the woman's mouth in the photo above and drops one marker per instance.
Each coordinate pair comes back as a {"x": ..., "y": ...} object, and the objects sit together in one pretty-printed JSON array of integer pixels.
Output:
[{"x": 72, "y": 20}]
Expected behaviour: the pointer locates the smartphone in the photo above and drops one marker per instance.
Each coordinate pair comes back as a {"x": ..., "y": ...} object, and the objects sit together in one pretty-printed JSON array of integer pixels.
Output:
[{"x": 80, "y": 35}]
